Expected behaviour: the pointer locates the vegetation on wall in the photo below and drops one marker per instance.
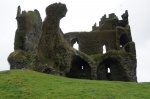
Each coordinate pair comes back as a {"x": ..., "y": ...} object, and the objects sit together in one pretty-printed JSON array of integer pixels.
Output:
[{"x": 43, "y": 47}]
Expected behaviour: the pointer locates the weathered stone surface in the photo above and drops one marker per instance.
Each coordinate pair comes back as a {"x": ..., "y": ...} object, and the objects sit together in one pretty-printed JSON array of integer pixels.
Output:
[
  {"x": 18, "y": 59},
  {"x": 120, "y": 56},
  {"x": 53, "y": 49},
  {"x": 32, "y": 37},
  {"x": 28, "y": 31},
  {"x": 54, "y": 53},
  {"x": 26, "y": 37}
]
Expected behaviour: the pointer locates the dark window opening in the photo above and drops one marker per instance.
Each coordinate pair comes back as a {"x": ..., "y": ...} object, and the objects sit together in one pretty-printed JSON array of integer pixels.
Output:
[
  {"x": 123, "y": 40},
  {"x": 79, "y": 69}
]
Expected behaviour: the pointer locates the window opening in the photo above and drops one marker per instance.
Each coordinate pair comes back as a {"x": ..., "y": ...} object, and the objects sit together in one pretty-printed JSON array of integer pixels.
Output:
[
  {"x": 104, "y": 49},
  {"x": 76, "y": 46},
  {"x": 123, "y": 40},
  {"x": 108, "y": 70},
  {"x": 82, "y": 67}
]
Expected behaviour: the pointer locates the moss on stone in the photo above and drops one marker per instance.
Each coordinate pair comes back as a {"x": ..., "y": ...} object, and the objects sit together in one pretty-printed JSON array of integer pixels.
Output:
[
  {"x": 31, "y": 19},
  {"x": 54, "y": 53},
  {"x": 18, "y": 59},
  {"x": 29, "y": 25},
  {"x": 53, "y": 48}
]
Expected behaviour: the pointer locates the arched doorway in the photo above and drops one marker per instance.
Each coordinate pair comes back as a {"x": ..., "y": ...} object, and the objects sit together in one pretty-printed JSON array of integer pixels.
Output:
[
  {"x": 79, "y": 69},
  {"x": 110, "y": 69}
]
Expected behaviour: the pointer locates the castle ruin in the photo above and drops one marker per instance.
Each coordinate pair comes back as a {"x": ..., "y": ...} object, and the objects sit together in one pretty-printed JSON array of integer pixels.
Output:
[{"x": 105, "y": 53}]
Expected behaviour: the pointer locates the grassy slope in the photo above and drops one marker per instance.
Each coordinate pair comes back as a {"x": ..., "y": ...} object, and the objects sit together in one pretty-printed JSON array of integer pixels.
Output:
[{"x": 18, "y": 84}]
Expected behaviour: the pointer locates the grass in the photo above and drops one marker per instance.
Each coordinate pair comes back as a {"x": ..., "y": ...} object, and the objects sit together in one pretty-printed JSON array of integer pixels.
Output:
[{"x": 27, "y": 84}]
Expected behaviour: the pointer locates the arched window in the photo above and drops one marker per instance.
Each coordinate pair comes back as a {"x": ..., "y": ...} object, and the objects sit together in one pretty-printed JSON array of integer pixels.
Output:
[
  {"x": 108, "y": 70},
  {"x": 76, "y": 46},
  {"x": 123, "y": 40},
  {"x": 104, "y": 49},
  {"x": 74, "y": 43}
]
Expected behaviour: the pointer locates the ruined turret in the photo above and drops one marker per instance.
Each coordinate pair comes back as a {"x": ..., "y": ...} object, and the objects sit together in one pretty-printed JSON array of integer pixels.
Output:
[
  {"x": 28, "y": 31},
  {"x": 26, "y": 37}
]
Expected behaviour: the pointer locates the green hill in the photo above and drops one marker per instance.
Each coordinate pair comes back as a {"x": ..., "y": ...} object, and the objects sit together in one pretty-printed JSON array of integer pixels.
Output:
[{"x": 27, "y": 84}]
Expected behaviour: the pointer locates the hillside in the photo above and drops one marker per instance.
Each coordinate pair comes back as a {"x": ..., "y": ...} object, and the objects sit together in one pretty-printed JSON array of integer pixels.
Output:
[{"x": 27, "y": 84}]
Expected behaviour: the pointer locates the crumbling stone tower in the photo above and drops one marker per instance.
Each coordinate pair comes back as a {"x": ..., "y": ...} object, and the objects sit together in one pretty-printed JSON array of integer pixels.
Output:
[
  {"x": 105, "y": 53},
  {"x": 114, "y": 36},
  {"x": 26, "y": 38}
]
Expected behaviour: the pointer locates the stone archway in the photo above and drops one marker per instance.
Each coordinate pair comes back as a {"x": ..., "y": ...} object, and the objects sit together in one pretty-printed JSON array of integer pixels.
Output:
[
  {"x": 75, "y": 43},
  {"x": 110, "y": 69},
  {"x": 79, "y": 69}
]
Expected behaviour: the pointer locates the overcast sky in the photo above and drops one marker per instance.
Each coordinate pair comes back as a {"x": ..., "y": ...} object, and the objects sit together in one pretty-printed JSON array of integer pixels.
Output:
[{"x": 81, "y": 15}]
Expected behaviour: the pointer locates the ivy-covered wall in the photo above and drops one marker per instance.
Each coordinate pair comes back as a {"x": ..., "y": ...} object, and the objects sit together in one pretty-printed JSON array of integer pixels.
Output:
[
  {"x": 92, "y": 42},
  {"x": 120, "y": 56}
]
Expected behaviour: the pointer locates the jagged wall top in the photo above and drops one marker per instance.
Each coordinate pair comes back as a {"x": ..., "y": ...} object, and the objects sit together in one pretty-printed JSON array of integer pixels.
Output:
[
  {"x": 104, "y": 18},
  {"x": 111, "y": 20}
]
